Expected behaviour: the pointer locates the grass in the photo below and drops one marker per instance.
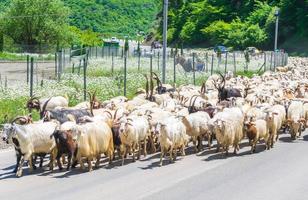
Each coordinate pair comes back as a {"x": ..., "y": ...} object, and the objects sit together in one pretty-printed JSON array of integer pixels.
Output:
[
  {"x": 11, "y": 56},
  {"x": 22, "y": 57},
  {"x": 10, "y": 108},
  {"x": 249, "y": 73}
]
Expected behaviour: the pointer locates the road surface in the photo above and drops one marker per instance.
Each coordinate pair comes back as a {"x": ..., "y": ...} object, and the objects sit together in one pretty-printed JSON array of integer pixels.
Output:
[{"x": 281, "y": 173}]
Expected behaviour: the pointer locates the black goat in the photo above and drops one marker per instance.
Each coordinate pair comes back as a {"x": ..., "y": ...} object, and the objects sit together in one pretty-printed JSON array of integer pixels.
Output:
[
  {"x": 62, "y": 115},
  {"x": 225, "y": 93}
]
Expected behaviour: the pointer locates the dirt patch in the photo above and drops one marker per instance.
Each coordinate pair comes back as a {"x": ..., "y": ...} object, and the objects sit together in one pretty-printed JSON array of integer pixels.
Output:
[{"x": 17, "y": 71}]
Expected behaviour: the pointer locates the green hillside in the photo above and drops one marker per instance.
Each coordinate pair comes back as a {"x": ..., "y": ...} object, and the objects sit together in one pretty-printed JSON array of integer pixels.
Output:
[
  {"x": 111, "y": 17},
  {"x": 237, "y": 23}
]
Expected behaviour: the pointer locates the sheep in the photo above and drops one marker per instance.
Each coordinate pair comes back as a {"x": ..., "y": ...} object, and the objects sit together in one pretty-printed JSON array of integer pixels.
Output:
[
  {"x": 256, "y": 131},
  {"x": 32, "y": 138},
  {"x": 197, "y": 127},
  {"x": 234, "y": 118},
  {"x": 133, "y": 131},
  {"x": 272, "y": 120},
  {"x": 225, "y": 134},
  {"x": 172, "y": 136},
  {"x": 93, "y": 139},
  {"x": 281, "y": 111},
  {"x": 305, "y": 107},
  {"x": 295, "y": 118}
]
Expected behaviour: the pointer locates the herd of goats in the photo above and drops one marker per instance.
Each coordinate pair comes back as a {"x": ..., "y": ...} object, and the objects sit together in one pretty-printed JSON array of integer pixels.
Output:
[{"x": 161, "y": 117}]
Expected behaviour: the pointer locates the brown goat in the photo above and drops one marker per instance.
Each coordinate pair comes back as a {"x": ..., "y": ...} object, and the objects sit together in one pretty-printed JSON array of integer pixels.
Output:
[{"x": 66, "y": 145}]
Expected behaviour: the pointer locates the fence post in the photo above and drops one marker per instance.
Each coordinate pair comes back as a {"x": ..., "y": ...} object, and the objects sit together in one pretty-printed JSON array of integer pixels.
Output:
[
  {"x": 36, "y": 74},
  {"x": 206, "y": 63},
  {"x": 226, "y": 61},
  {"x": 275, "y": 55},
  {"x": 31, "y": 76},
  {"x": 84, "y": 79},
  {"x": 28, "y": 62},
  {"x": 70, "y": 56},
  {"x": 60, "y": 65},
  {"x": 96, "y": 52},
  {"x": 151, "y": 63},
  {"x": 174, "y": 70},
  {"x": 56, "y": 64},
  {"x": 43, "y": 76},
  {"x": 63, "y": 55},
  {"x": 271, "y": 65},
  {"x": 212, "y": 64},
  {"x": 264, "y": 62},
  {"x": 158, "y": 57},
  {"x": 194, "y": 70},
  {"x": 5, "y": 83},
  {"x": 125, "y": 71},
  {"x": 139, "y": 55},
  {"x": 112, "y": 63},
  {"x": 234, "y": 63}
]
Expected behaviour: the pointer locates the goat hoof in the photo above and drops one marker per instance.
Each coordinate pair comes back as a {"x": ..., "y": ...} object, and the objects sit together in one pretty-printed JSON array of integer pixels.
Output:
[{"x": 19, "y": 173}]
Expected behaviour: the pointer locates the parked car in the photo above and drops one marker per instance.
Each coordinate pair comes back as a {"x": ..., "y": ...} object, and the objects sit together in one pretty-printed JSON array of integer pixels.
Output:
[
  {"x": 220, "y": 48},
  {"x": 114, "y": 40}
]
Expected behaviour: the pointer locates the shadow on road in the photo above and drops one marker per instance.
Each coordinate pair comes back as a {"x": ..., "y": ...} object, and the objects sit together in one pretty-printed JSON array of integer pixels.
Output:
[
  {"x": 305, "y": 137},
  {"x": 9, "y": 168},
  {"x": 25, "y": 172},
  {"x": 286, "y": 139},
  {"x": 221, "y": 155}
]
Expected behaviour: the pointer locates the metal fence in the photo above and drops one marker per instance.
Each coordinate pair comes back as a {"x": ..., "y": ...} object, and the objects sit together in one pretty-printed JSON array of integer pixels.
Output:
[{"x": 34, "y": 68}]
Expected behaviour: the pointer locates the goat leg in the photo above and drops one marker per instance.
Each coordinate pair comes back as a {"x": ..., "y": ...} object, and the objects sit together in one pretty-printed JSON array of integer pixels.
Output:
[
  {"x": 18, "y": 157},
  {"x": 58, "y": 161}
]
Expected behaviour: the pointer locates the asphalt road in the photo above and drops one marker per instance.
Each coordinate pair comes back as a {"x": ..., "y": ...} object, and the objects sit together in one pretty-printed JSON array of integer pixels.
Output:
[{"x": 281, "y": 173}]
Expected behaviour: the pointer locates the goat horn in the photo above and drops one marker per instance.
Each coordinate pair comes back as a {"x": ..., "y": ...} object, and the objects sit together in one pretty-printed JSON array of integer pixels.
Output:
[
  {"x": 44, "y": 107},
  {"x": 17, "y": 118}
]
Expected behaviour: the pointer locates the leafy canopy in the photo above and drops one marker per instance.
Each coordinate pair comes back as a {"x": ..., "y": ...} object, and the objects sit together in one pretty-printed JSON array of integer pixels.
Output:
[{"x": 36, "y": 22}]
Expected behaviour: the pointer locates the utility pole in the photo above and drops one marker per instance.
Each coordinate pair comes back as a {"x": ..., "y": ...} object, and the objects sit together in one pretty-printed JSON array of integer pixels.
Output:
[
  {"x": 165, "y": 29},
  {"x": 276, "y": 29}
]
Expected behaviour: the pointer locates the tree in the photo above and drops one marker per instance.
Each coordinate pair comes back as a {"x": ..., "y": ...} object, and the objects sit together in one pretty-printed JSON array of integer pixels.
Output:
[{"x": 37, "y": 22}]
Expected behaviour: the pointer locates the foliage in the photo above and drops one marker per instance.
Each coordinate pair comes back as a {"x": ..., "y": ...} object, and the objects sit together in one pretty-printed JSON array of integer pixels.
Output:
[
  {"x": 113, "y": 17},
  {"x": 25, "y": 22},
  {"x": 84, "y": 38},
  {"x": 235, "y": 23}
]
